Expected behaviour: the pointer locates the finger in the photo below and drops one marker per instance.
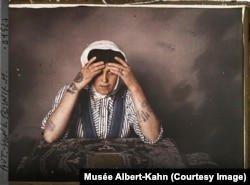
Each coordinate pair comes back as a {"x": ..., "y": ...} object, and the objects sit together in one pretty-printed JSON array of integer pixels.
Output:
[
  {"x": 116, "y": 65},
  {"x": 96, "y": 65},
  {"x": 94, "y": 73},
  {"x": 117, "y": 71},
  {"x": 90, "y": 61},
  {"x": 121, "y": 61}
]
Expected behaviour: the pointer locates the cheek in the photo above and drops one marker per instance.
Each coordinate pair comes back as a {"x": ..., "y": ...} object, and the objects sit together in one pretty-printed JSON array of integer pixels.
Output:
[
  {"x": 96, "y": 79},
  {"x": 113, "y": 80},
  {"x": 113, "y": 77}
]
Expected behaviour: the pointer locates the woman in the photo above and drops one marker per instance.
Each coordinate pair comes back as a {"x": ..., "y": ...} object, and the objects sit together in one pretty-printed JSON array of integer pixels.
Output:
[{"x": 103, "y": 101}]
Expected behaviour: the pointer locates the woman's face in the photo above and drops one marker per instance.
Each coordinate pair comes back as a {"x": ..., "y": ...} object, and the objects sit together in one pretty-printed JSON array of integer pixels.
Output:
[{"x": 105, "y": 82}]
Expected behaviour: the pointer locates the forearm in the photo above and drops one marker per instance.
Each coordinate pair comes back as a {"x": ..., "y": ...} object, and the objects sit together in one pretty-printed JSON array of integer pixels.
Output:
[
  {"x": 148, "y": 121},
  {"x": 57, "y": 122}
]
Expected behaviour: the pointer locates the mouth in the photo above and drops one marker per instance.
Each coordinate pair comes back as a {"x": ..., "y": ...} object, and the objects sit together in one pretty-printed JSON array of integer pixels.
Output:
[
  {"x": 103, "y": 89},
  {"x": 104, "y": 85}
]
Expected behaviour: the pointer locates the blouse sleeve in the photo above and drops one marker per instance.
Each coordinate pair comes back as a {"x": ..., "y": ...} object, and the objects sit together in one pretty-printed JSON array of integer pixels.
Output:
[{"x": 133, "y": 121}]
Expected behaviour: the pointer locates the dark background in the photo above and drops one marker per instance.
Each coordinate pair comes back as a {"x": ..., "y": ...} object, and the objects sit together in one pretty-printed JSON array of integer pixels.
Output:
[{"x": 189, "y": 61}]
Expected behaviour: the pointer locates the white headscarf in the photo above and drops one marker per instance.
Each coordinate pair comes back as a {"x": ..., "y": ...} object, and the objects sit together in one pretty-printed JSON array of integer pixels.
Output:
[{"x": 102, "y": 44}]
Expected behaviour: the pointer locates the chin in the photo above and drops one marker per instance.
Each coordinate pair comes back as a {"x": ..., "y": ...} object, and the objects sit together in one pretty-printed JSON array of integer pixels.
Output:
[{"x": 103, "y": 92}]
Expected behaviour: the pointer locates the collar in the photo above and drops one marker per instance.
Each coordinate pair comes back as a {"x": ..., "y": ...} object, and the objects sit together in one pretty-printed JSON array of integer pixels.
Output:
[{"x": 97, "y": 95}]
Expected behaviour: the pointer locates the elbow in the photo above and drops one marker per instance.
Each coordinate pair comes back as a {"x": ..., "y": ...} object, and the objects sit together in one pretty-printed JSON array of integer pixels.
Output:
[
  {"x": 49, "y": 138},
  {"x": 150, "y": 139},
  {"x": 154, "y": 138}
]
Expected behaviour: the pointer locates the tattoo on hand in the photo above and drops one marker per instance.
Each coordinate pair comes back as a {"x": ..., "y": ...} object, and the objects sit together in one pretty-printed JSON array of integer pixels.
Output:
[
  {"x": 51, "y": 126},
  {"x": 72, "y": 88},
  {"x": 79, "y": 77}
]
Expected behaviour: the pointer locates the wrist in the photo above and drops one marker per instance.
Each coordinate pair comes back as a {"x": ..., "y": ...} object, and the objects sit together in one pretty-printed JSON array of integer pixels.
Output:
[
  {"x": 134, "y": 86},
  {"x": 135, "y": 89},
  {"x": 73, "y": 88}
]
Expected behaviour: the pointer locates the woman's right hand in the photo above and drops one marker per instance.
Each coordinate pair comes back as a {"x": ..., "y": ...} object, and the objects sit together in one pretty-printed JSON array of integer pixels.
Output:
[{"x": 86, "y": 75}]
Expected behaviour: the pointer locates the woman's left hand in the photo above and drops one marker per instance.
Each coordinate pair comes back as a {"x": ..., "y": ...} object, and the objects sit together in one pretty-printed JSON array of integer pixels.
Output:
[{"x": 123, "y": 70}]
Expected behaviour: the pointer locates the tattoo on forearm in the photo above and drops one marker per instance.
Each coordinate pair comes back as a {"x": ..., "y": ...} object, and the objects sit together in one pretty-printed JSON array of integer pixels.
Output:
[
  {"x": 79, "y": 77},
  {"x": 146, "y": 105},
  {"x": 72, "y": 88},
  {"x": 51, "y": 126},
  {"x": 143, "y": 116}
]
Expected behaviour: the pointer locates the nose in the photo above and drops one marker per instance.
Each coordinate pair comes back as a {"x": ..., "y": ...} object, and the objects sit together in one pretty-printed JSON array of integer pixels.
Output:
[{"x": 105, "y": 75}]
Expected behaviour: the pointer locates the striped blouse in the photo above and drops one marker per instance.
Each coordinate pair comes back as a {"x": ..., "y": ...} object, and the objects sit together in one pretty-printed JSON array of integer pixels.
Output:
[{"x": 102, "y": 109}]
